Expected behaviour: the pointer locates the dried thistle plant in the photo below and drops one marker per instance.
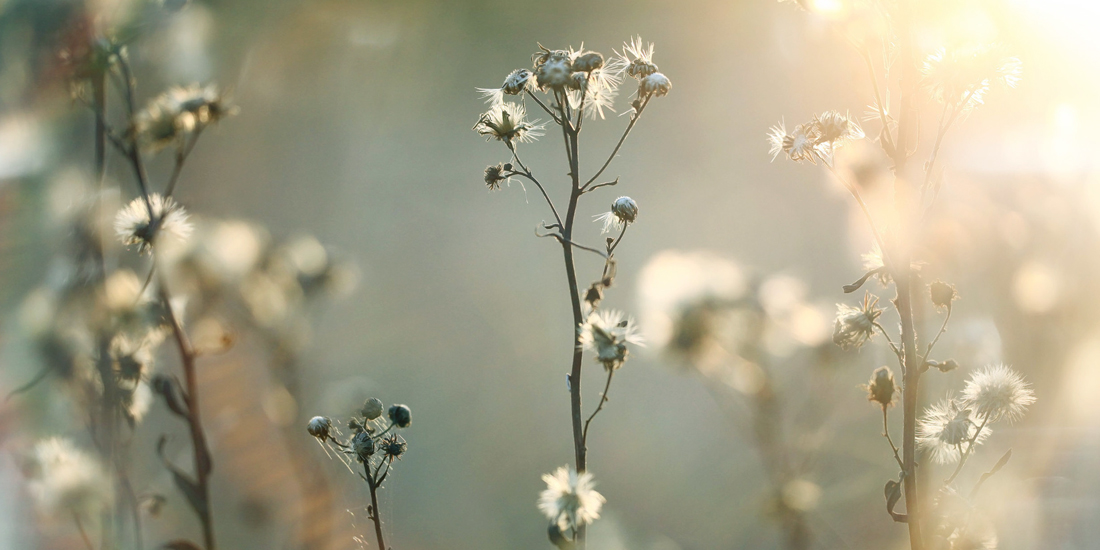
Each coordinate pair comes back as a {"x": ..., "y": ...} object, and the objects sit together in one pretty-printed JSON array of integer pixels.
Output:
[
  {"x": 371, "y": 444},
  {"x": 101, "y": 328},
  {"x": 570, "y": 86},
  {"x": 959, "y": 79}
]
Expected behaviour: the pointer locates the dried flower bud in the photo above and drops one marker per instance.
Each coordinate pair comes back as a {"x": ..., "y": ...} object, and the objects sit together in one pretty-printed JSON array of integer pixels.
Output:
[
  {"x": 372, "y": 408},
  {"x": 319, "y": 426},
  {"x": 594, "y": 294},
  {"x": 552, "y": 69},
  {"x": 578, "y": 81},
  {"x": 625, "y": 209},
  {"x": 881, "y": 388},
  {"x": 401, "y": 415},
  {"x": 623, "y": 212},
  {"x": 135, "y": 227},
  {"x": 493, "y": 176},
  {"x": 588, "y": 62},
  {"x": 355, "y": 425},
  {"x": 943, "y": 294},
  {"x": 656, "y": 83},
  {"x": 855, "y": 326},
  {"x": 516, "y": 82},
  {"x": 394, "y": 446},
  {"x": 363, "y": 446}
]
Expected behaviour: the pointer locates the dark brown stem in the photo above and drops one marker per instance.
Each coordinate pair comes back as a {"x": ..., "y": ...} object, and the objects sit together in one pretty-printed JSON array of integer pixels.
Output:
[
  {"x": 580, "y": 450},
  {"x": 603, "y": 399},
  {"x": 201, "y": 453},
  {"x": 374, "y": 505},
  {"x": 181, "y": 157},
  {"x": 527, "y": 174},
  {"x": 633, "y": 120}
]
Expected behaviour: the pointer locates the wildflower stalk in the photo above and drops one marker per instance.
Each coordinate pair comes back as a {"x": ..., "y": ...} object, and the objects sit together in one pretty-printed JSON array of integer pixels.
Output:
[
  {"x": 901, "y": 265},
  {"x": 575, "y": 82},
  {"x": 200, "y": 453},
  {"x": 373, "y": 482},
  {"x": 110, "y": 405},
  {"x": 197, "y": 491}
]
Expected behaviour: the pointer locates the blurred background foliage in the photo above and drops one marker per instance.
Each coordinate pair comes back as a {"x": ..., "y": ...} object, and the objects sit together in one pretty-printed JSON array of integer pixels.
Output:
[{"x": 355, "y": 128}]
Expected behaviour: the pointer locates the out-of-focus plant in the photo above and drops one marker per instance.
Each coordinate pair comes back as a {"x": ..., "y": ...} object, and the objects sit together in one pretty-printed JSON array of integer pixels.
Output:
[
  {"x": 369, "y": 445},
  {"x": 959, "y": 78},
  {"x": 568, "y": 86},
  {"x": 100, "y": 326},
  {"x": 736, "y": 331}
]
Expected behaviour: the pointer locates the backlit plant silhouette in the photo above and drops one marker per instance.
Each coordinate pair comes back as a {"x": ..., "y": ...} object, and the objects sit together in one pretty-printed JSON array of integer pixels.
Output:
[
  {"x": 958, "y": 78},
  {"x": 569, "y": 86}
]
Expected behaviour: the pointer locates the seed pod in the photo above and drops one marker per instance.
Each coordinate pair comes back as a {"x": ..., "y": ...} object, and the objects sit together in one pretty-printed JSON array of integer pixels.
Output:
[
  {"x": 881, "y": 388},
  {"x": 943, "y": 294},
  {"x": 363, "y": 446},
  {"x": 372, "y": 408},
  {"x": 400, "y": 415},
  {"x": 319, "y": 427}
]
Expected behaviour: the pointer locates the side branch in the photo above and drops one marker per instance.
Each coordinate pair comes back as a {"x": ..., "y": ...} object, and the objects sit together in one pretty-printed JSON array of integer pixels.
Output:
[
  {"x": 527, "y": 174},
  {"x": 633, "y": 120}
]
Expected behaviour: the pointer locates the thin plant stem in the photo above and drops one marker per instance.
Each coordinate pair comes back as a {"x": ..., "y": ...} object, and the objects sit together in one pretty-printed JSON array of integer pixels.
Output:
[
  {"x": 893, "y": 346},
  {"x": 969, "y": 447},
  {"x": 181, "y": 157},
  {"x": 615, "y": 151},
  {"x": 527, "y": 174},
  {"x": 886, "y": 433},
  {"x": 603, "y": 400},
  {"x": 941, "y": 132},
  {"x": 565, "y": 241},
  {"x": 878, "y": 98},
  {"x": 932, "y": 344},
  {"x": 544, "y": 107},
  {"x": 862, "y": 206},
  {"x": 201, "y": 453}
]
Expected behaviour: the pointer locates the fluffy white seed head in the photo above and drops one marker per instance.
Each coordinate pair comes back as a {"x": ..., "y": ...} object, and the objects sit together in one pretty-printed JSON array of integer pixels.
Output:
[
  {"x": 946, "y": 429},
  {"x": 997, "y": 392},
  {"x": 569, "y": 500},
  {"x": 135, "y": 227},
  {"x": 656, "y": 84},
  {"x": 607, "y": 332},
  {"x": 508, "y": 122}
]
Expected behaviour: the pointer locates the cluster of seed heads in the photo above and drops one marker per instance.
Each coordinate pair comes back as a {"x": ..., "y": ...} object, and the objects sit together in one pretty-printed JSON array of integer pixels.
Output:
[{"x": 368, "y": 437}]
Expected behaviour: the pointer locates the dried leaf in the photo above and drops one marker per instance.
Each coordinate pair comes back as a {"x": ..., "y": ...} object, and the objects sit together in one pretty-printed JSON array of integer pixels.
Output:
[{"x": 893, "y": 495}]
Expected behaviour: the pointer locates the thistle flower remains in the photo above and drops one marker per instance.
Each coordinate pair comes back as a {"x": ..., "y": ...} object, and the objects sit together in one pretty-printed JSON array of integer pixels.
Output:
[
  {"x": 856, "y": 325},
  {"x": 136, "y": 227},
  {"x": 569, "y": 500}
]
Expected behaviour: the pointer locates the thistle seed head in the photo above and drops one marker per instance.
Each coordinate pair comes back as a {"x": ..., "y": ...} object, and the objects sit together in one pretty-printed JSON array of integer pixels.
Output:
[
  {"x": 400, "y": 415},
  {"x": 319, "y": 427}
]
